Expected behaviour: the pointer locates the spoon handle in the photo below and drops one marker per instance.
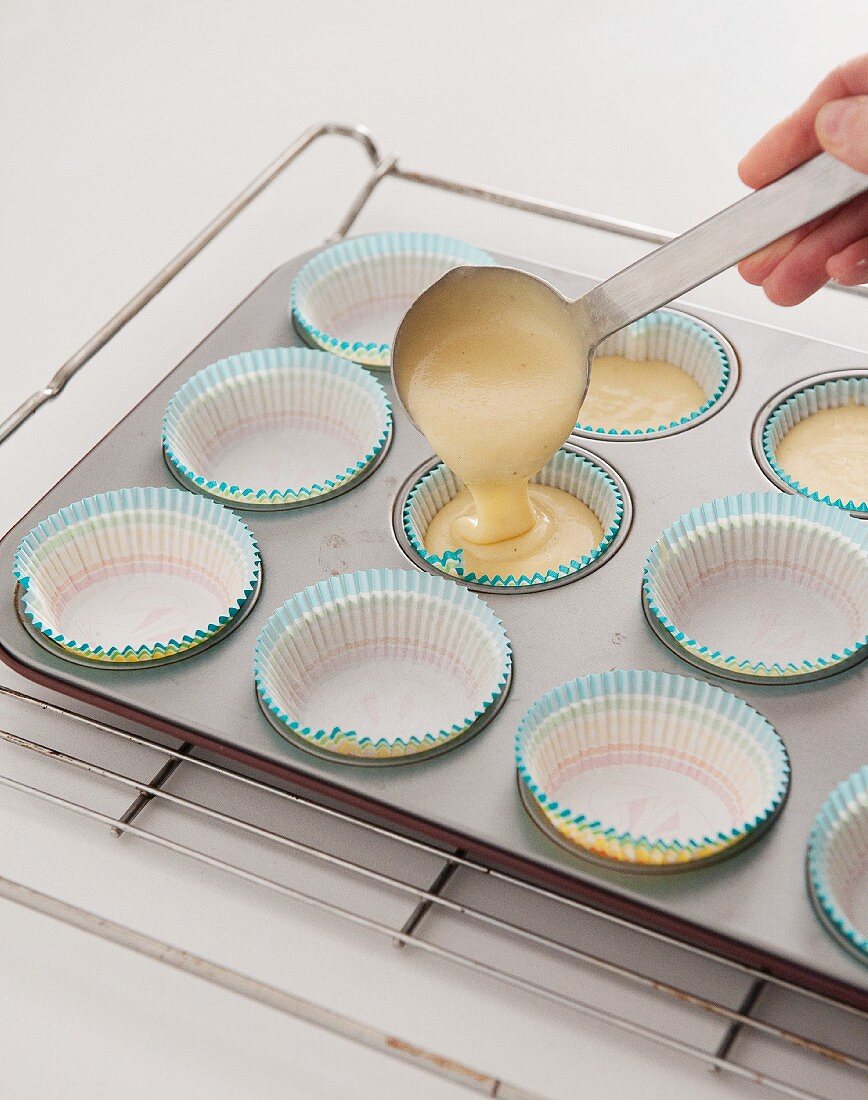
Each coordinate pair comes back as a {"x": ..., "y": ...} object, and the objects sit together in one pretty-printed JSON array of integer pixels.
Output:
[{"x": 808, "y": 191}]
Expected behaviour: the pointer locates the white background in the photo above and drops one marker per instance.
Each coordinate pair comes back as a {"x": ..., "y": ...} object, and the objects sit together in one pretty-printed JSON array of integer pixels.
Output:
[{"x": 124, "y": 127}]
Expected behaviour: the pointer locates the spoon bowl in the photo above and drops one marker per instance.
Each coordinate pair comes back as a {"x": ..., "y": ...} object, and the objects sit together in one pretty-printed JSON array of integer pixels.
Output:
[{"x": 493, "y": 301}]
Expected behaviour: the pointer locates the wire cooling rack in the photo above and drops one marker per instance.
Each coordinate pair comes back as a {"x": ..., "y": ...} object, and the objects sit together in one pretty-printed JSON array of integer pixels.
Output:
[{"x": 734, "y": 1019}]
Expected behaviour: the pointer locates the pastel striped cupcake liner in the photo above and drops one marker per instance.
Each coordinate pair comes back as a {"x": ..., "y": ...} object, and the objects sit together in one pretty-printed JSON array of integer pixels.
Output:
[
  {"x": 350, "y": 298},
  {"x": 276, "y": 428},
  {"x": 763, "y": 585},
  {"x": 837, "y": 863},
  {"x": 136, "y": 575},
  {"x": 651, "y": 770},
  {"x": 381, "y": 664}
]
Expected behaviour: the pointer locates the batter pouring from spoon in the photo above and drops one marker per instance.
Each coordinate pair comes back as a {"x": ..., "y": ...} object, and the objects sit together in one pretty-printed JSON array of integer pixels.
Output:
[
  {"x": 498, "y": 376},
  {"x": 492, "y": 364}
]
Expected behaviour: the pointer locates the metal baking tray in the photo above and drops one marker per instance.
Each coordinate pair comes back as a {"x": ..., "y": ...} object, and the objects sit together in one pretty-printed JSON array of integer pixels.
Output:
[{"x": 752, "y": 908}]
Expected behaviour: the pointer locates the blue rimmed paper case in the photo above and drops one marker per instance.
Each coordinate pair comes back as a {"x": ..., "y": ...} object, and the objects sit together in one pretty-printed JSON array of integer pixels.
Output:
[
  {"x": 331, "y": 417},
  {"x": 350, "y": 298},
  {"x": 676, "y": 731},
  {"x": 91, "y": 574},
  {"x": 832, "y": 394},
  {"x": 838, "y": 861},
  {"x": 671, "y": 338},
  {"x": 381, "y": 663},
  {"x": 764, "y": 538},
  {"x": 574, "y": 473}
]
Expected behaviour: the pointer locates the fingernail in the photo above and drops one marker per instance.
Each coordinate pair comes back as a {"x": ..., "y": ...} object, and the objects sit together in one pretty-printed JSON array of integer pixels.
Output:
[{"x": 835, "y": 119}]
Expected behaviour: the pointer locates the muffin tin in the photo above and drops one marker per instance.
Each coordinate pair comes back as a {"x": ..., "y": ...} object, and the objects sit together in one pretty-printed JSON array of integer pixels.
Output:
[{"x": 467, "y": 798}]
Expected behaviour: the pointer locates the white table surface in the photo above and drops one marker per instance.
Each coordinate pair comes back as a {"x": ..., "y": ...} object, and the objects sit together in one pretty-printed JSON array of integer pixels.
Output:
[{"x": 125, "y": 126}]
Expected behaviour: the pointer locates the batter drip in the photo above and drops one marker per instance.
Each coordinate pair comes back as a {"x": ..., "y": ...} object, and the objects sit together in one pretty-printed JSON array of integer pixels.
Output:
[
  {"x": 564, "y": 529},
  {"x": 496, "y": 387}
]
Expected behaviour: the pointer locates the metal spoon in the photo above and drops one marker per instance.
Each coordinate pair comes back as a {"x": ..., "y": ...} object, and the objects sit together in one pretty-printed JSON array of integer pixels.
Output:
[{"x": 812, "y": 189}]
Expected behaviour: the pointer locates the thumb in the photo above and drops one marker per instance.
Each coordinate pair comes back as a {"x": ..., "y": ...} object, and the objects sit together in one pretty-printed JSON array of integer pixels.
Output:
[{"x": 842, "y": 129}]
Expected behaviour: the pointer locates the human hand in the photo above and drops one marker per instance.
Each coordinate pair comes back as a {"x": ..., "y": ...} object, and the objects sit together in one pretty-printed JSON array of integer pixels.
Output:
[{"x": 834, "y": 118}]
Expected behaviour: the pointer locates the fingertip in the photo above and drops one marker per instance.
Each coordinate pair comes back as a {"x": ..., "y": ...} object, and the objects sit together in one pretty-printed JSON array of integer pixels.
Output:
[
  {"x": 748, "y": 173},
  {"x": 781, "y": 294},
  {"x": 850, "y": 266},
  {"x": 795, "y": 284},
  {"x": 842, "y": 130},
  {"x": 836, "y": 268},
  {"x": 757, "y": 267},
  {"x": 852, "y": 278},
  {"x": 746, "y": 270},
  {"x": 831, "y": 123}
]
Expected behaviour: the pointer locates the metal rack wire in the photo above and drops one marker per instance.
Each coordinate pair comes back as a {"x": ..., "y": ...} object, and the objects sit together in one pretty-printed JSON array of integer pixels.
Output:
[
  {"x": 432, "y": 898},
  {"x": 442, "y": 899}
]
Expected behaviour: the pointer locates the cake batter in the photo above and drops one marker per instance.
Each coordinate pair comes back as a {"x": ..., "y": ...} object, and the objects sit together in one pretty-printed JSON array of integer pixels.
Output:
[
  {"x": 629, "y": 395},
  {"x": 564, "y": 529},
  {"x": 496, "y": 387},
  {"x": 827, "y": 453}
]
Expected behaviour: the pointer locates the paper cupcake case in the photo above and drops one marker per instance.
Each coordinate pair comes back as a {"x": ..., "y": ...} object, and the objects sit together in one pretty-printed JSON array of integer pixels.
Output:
[
  {"x": 837, "y": 863},
  {"x": 381, "y": 665},
  {"x": 672, "y": 771},
  {"x": 112, "y": 578},
  {"x": 831, "y": 394},
  {"x": 349, "y": 299},
  {"x": 673, "y": 338},
  {"x": 762, "y": 585},
  {"x": 276, "y": 428},
  {"x": 574, "y": 473}
]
